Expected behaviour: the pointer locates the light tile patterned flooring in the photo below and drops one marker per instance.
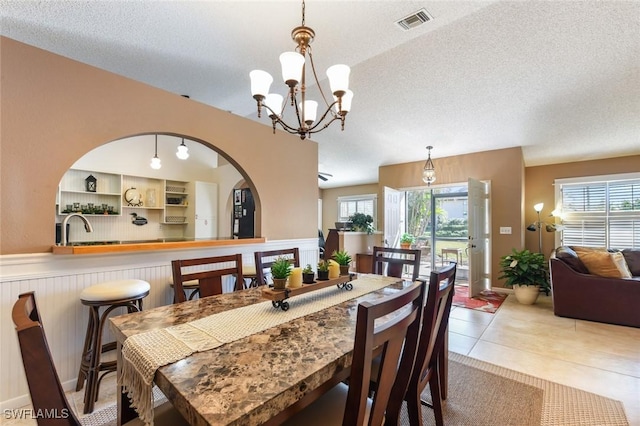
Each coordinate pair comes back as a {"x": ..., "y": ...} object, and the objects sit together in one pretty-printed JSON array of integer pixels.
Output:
[{"x": 599, "y": 358}]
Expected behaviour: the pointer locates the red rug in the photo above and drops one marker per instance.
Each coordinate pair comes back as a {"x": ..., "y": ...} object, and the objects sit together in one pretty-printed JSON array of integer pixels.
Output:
[{"x": 486, "y": 301}]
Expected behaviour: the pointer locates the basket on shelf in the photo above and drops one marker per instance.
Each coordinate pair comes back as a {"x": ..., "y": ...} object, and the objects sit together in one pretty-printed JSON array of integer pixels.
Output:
[
  {"x": 175, "y": 219},
  {"x": 171, "y": 188}
]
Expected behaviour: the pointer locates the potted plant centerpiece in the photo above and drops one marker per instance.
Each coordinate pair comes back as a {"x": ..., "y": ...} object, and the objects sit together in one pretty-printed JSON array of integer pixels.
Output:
[
  {"x": 280, "y": 271},
  {"x": 406, "y": 240},
  {"x": 323, "y": 270},
  {"x": 308, "y": 274},
  {"x": 344, "y": 260},
  {"x": 527, "y": 273}
]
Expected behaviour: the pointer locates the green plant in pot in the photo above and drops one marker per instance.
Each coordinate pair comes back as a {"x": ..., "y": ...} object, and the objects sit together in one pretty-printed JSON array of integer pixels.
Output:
[
  {"x": 323, "y": 270},
  {"x": 362, "y": 222},
  {"x": 308, "y": 275},
  {"x": 344, "y": 260},
  {"x": 527, "y": 273},
  {"x": 280, "y": 271},
  {"x": 406, "y": 240}
]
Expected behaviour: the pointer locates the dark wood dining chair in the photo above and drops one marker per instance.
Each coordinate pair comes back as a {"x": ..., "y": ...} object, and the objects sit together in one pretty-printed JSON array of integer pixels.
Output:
[
  {"x": 264, "y": 260},
  {"x": 391, "y": 261},
  {"x": 349, "y": 405},
  {"x": 47, "y": 394},
  {"x": 431, "y": 360},
  {"x": 208, "y": 271}
]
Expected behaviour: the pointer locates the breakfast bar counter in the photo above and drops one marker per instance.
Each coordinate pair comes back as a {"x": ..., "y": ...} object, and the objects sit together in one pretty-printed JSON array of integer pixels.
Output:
[{"x": 106, "y": 247}]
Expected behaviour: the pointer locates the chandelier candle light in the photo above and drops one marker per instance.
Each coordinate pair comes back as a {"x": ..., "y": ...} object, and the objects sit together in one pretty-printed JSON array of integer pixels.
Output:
[
  {"x": 293, "y": 74},
  {"x": 429, "y": 171}
]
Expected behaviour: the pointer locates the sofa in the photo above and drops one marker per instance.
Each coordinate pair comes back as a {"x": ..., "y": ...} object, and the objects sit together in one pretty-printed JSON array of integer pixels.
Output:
[{"x": 585, "y": 284}]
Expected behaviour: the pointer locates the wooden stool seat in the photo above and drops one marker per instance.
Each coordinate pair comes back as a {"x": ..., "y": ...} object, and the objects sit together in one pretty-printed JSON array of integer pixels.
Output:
[{"x": 111, "y": 295}]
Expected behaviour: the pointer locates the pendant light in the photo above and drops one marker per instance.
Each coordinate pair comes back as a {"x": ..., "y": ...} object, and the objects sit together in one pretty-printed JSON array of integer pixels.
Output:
[
  {"x": 182, "y": 152},
  {"x": 155, "y": 161},
  {"x": 429, "y": 171}
]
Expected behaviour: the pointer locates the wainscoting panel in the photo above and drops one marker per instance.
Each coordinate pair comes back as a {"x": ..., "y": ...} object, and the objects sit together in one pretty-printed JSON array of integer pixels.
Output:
[{"x": 58, "y": 280}]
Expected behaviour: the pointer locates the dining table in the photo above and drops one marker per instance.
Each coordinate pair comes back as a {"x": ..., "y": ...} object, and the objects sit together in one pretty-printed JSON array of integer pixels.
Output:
[{"x": 265, "y": 361}]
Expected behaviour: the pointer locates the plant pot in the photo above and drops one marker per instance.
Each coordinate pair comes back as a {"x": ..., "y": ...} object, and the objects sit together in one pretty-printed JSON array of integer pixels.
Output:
[
  {"x": 279, "y": 283},
  {"x": 308, "y": 278},
  {"x": 323, "y": 275},
  {"x": 344, "y": 269},
  {"x": 526, "y": 294},
  {"x": 405, "y": 245}
]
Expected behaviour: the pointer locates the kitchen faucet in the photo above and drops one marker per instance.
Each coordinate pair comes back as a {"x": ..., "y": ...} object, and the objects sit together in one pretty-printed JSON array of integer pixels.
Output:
[{"x": 63, "y": 231}]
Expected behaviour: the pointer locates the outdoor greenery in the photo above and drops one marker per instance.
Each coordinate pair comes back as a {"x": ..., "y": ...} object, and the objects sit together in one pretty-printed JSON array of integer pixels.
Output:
[
  {"x": 362, "y": 222},
  {"x": 524, "y": 268},
  {"x": 342, "y": 257},
  {"x": 281, "y": 268}
]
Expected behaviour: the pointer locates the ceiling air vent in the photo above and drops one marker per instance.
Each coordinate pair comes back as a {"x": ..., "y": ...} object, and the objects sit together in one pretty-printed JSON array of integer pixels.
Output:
[{"x": 414, "y": 20}]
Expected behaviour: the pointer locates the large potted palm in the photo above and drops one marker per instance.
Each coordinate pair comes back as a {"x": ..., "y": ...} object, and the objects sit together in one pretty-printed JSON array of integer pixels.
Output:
[{"x": 527, "y": 273}]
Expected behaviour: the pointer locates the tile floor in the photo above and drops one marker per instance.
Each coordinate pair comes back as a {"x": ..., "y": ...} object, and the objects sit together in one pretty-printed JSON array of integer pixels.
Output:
[{"x": 599, "y": 358}]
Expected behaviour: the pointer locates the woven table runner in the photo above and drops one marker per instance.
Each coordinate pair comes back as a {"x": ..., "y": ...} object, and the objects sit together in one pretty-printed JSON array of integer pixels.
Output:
[{"x": 144, "y": 353}]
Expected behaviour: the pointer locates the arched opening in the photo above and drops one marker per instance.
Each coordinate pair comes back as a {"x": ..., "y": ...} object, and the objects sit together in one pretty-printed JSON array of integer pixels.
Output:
[{"x": 131, "y": 201}]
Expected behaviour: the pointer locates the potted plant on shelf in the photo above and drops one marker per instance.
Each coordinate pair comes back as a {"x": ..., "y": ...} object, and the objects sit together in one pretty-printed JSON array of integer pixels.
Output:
[
  {"x": 323, "y": 270},
  {"x": 362, "y": 222},
  {"x": 527, "y": 273},
  {"x": 344, "y": 260},
  {"x": 406, "y": 240},
  {"x": 280, "y": 271},
  {"x": 308, "y": 274}
]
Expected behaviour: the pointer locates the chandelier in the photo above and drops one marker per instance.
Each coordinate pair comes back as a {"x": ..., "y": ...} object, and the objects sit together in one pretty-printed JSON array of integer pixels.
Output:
[
  {"x": 294, "y": 67},
  {"x": 429, "y": 172}
]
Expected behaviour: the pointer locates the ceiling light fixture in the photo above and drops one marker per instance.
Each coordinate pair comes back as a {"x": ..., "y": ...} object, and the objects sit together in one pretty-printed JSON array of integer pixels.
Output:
[
  {"x": 155, "y": 161},
  {"x": 429, "y": 171},
  {"x": 293, "y": 74},
  {"x": 182, "y": 152}
]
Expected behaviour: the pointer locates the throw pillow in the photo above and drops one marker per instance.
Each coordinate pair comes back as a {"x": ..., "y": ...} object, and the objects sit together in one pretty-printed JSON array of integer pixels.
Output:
[
  {"x": 621, "y": 264},
  {"x": 632, "y": 256},
  {"x": 599, "y": 263}
]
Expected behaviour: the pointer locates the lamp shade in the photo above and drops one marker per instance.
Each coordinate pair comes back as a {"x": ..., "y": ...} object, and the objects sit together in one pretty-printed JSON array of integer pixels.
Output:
[
  {"x": 260, "y": 83},
  {"x": 346, "y": 102},
  {"x": 292, "y": 64},
  {"x": 182, "y": 152},
  {"x": 428, "y": 176},
  {"x": 155, "y": 163},
  {"x": 310, "y": 111},
  {"x": 339, "y": 79},
  {"x": 274, "y": 102},
  {"x": 538, "y": 207}
]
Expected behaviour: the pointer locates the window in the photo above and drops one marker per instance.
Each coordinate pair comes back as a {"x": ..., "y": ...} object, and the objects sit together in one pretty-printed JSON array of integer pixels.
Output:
[
  {"x": 365, "y": 204},
  {"x": 600, "y": 211}
]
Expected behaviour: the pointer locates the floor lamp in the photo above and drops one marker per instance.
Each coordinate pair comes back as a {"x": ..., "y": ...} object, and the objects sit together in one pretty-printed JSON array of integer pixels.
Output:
[{"x": 537, "y": 226}]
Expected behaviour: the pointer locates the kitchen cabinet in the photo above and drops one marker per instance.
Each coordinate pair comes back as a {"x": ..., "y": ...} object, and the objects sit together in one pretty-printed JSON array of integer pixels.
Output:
[{"x": 202, "y": 210}]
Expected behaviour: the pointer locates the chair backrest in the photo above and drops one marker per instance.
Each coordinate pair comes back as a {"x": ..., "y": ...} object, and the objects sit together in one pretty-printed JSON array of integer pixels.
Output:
[
  {"x": 405, "y": 309},
  {"x": 45, "y": 388},
  {"x": 434, "y": 321},
  {"x": 208, "y": 271},
  {"x": 264, "y": 260},
  {"x": 391, "y": 261}
]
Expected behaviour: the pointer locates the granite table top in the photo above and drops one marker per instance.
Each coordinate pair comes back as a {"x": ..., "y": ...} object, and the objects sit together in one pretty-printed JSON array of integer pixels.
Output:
[{"x": 250, "y": 380}]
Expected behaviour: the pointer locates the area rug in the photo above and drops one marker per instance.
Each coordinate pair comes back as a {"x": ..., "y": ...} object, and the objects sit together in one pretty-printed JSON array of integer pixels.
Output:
[
  {"x": 486, "y": 301},
  {"x": 483, "y": 394}
]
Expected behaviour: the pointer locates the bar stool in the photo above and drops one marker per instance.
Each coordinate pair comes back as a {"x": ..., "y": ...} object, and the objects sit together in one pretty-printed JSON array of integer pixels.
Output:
[
  {"x": 249, "y": 272},
  {"x": 192, "y": 286},
  {"x": 112, "y": 295}
]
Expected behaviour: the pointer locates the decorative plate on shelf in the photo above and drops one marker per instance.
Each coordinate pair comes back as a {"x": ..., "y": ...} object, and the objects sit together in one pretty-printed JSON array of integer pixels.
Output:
[{"x": 133, "y": 197}]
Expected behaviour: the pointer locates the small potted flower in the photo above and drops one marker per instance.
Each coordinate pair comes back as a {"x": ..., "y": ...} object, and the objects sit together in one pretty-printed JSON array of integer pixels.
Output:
[
  {"x": 308, "y": 275},
  {"x": 323, "y": 270},
  {"x": 344, "y": 260},
  {"x": 280, "y": 271},
  {"x": 406, "y": 240}
]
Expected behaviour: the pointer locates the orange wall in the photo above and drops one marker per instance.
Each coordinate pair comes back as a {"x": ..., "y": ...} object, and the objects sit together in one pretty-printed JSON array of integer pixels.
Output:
[
  {"x": 54, "y": 110},
  {"x": 539, "y": 189},
  {"x": 504, "y": 168}
]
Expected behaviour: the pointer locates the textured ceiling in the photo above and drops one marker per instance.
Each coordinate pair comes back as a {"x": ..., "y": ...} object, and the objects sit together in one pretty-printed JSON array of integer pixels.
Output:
[{"x": 559, "y": 78}]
